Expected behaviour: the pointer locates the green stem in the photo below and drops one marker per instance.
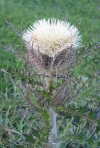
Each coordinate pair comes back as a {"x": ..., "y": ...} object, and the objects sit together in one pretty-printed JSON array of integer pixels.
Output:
[{"x": 53, "y": 143}]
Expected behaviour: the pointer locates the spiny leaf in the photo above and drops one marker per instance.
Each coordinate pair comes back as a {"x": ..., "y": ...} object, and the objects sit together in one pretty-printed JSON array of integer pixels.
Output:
[
  {"x": 39, "y": 106},
  {"x": 35, "y": 102}
]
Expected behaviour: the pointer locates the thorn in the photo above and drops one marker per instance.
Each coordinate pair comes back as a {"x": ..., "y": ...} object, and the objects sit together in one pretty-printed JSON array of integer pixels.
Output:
[
  {"x": 20, "y": 29},
  {"x": 36, "y": 17},
  {"x": 66, "y": 17},
  {"x": 13, "y": 28},
  {"x": 79, "y": 24}
]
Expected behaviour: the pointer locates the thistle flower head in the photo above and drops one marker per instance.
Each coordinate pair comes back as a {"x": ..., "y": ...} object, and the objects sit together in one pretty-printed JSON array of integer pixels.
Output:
[
  {"x": 51, "y": 36},
  {"x": 51, "y": 45}
]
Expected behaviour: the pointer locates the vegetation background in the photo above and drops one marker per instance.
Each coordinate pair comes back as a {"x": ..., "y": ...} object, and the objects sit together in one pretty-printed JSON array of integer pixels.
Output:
[{"x": 22, "y": 13}]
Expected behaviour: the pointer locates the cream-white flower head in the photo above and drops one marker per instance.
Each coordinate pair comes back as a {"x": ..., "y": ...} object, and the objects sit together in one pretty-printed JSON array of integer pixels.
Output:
[{"x": 51, "y": 36}]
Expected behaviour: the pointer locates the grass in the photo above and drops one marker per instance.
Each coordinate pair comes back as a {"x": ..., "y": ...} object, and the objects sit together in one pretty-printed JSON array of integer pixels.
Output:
[{"x": 22, "y": 14}]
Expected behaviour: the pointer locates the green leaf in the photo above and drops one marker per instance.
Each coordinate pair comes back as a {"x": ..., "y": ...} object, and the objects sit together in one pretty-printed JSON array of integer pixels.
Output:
[
  {"x": 29, "y": 138},
  {"x": 39, "y": 106},
  {"x": 35, "y": 102},
  {"x": 83, "y": 109},
  {"x": 36, "y": 132},
  {"x": 45, "y": 115},
  {"x": 93, "y": 115},
  {"x": 43, "y": 93},
  {"x": 76, "y": 120}
]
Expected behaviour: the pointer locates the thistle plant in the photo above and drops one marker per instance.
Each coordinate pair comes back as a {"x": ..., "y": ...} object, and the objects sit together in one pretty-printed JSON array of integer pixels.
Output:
[{"x": 51, "y": 46}]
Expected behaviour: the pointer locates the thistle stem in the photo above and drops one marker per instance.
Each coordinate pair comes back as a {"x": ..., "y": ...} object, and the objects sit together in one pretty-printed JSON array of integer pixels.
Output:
[
  {"x": 53, "y": 143},
  {"x": 53, "y": 133},
  {"x": 53, "y": 137}
]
